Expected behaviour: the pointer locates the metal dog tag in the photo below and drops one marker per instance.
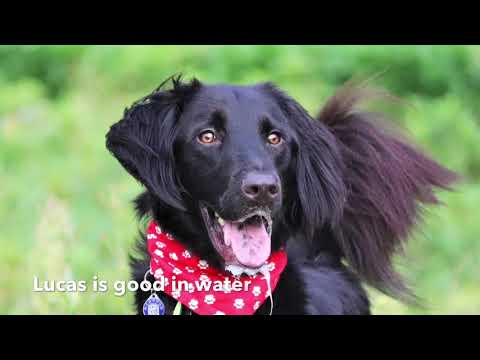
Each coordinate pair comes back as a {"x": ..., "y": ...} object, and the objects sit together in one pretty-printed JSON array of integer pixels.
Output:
[{"x": 153, "y": 306}]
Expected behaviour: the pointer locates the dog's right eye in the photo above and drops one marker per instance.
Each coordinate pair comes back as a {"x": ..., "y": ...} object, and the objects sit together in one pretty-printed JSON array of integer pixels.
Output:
[{"x": 207, "y": 137}]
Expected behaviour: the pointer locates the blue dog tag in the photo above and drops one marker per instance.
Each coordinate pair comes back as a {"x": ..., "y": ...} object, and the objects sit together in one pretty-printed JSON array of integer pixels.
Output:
[{"x": 153, "y": 306}]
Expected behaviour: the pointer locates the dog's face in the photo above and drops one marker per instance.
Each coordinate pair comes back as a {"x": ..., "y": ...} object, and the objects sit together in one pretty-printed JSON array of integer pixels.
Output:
[
  {"x": 233, "y": 151},
  {"x": 245, "y": 159}
]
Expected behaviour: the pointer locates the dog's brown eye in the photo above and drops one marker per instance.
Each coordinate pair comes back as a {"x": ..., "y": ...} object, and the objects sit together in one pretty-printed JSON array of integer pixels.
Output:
[
  {"x": 207, "y": 137},
  {"x": 274, "y": 138}
]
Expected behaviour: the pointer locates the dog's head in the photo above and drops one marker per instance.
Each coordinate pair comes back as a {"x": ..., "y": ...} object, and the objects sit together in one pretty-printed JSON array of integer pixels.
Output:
[
  {"x": 250, "y": 162},
  {"x": 239, "y": 154}
]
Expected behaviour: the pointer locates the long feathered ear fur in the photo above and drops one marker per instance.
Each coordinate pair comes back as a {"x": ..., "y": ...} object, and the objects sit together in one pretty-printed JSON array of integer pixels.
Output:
[
  {"x": 387, "y": 180},
  {"x": 143, "y": 140},
  {"x": 320, "y": 191}
]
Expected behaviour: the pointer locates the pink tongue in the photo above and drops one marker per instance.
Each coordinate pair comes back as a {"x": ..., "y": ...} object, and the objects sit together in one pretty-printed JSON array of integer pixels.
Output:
[{"x": 250, "y": 244}]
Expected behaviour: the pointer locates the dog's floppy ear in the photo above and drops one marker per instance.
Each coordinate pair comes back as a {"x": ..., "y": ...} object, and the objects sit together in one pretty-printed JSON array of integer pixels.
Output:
[
  {"x": 387, "y": 180},
  {"x": 318, "y": 168},
  {"x": 143, "y": 140}
]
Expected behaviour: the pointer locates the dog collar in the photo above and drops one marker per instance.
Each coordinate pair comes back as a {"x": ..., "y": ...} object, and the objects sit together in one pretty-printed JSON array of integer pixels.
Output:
[{"x": 206, "y": 290}]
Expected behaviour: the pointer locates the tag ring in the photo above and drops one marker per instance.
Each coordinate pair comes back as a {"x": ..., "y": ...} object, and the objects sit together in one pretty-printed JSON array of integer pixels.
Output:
[{"x": 149, "y": 271}]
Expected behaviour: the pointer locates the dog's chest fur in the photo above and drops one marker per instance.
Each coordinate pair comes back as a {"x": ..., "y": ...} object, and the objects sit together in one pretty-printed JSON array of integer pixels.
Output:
[{"x": 305, "y": 288}]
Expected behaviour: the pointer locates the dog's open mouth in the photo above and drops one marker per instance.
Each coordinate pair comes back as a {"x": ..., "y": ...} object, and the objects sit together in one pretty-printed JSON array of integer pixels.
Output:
[{"x": 245, "y": 241}]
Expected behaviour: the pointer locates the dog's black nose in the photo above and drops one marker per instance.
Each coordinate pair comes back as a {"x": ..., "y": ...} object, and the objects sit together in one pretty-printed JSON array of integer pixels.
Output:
[{"x": 260, "y": 187}]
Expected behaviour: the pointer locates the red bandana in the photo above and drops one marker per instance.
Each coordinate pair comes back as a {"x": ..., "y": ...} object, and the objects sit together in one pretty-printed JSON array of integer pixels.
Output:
[{"x": 203, "y": 289}]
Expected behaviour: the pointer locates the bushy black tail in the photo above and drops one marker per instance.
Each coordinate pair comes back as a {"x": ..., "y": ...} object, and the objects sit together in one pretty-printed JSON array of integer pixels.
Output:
[{"x": 387, "y": 179}]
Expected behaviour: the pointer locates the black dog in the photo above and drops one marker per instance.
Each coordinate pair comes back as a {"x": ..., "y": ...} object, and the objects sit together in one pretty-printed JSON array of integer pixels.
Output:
[{"x": 340, "y": 191}]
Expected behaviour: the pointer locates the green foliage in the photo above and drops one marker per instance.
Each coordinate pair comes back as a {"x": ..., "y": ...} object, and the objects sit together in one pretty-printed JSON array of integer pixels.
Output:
[{"x": 65, "y": 203}]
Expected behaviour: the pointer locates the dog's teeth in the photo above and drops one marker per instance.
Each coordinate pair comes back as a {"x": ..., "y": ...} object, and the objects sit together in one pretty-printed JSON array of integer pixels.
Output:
[
  {"x": 221, "y": 221},
  {"x": 216, "y": 215}
]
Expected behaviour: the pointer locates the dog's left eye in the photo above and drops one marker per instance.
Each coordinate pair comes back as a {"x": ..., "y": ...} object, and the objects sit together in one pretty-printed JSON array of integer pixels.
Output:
[
  {"x": 207, "y": 137},
  {"x": 274, "y": 138}
]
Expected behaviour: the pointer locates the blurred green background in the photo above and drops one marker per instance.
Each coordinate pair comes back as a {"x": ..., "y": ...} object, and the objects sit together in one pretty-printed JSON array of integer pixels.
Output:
[{"x": 65, "y": 202}]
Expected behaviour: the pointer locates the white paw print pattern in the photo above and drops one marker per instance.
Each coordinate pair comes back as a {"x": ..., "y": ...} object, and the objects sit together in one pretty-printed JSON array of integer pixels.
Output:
[
  {"x": 158, "y": 230},
  {"x": 202, "y": 264},
  {"x": 177, "y": 271},
  {"x": 159, "y": 252},
  {"x": 209, "y": 299},
  {"x": 239, "y": 303},
  {"x": 176, "y": 293},
  {"x": 173, "y": 256},
  {"x": 158, "y": 273},
  {"x": 256, "y": 305},
  {"x": 169, "y": 236},
  {"x": 204, "y": 278},
  {"x": 271, "y": 266},
  {"x": 151, "y": 236},
  {"x": 186, "y": 254},
  {"x": 193, "y": 304},
  {"x": 160, "y": 244},
  {"x": 256, "y": 290},
  {"x": 155, "y": 260},
  {"x": 189, "y": 269},
  {"x": 219, "y": 313}
]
